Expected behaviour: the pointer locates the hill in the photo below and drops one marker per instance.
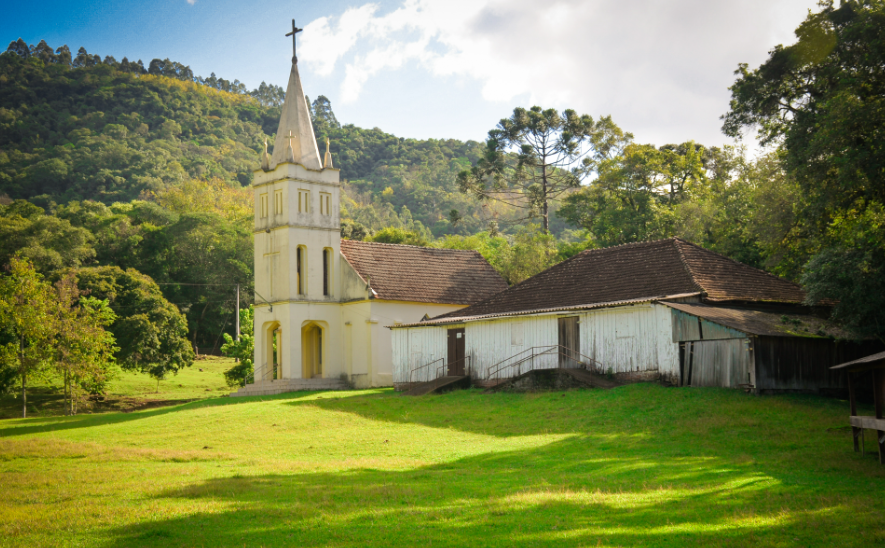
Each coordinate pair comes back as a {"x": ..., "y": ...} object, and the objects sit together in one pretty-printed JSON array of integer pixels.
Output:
[
  {"x": 82, "y": 128},
  {"x": 702, "y": 467}
]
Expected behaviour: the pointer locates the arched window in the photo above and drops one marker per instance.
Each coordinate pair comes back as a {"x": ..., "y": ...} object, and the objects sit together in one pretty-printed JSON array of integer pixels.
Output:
[{"x": 300, "y": 268}]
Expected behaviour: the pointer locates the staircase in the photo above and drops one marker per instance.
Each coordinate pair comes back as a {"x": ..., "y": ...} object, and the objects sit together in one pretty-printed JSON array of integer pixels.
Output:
[
  {"x": 559, "y": 378},
  {"x": 591, "y": 379},
  {"x": 442, "y": 384},
  {"x": 279, "y": 386}
]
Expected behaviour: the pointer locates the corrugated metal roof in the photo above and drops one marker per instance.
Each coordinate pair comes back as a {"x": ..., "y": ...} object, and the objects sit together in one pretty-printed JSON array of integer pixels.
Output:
[
  {"x": 444, "y": 320},
  {"x": 862, "y": 361},
  {"x": 762, "y": 322}
]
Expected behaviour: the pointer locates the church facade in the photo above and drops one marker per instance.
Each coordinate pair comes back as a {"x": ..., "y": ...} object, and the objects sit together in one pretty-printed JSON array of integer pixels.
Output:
[{"x": 323, "y": 304}]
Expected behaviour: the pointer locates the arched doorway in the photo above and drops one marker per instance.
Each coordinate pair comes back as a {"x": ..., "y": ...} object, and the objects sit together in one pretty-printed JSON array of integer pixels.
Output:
[
  {"x": 274, "y": 351},
  {"x": 312, "y": 350}
]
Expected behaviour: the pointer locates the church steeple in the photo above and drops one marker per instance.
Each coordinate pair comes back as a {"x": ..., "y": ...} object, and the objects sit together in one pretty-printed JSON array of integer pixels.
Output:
[{"x": 295, "y": 126}]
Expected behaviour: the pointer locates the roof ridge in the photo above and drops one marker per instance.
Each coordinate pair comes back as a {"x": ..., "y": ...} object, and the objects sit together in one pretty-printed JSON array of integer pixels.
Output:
[
  {"x": 490, "y": 297},
  {"x": 413, "y": 246},
  {"x": 727, "y": 258},
  {"x": 624, "y": 245},
  {"x": 685, "y": 265}
]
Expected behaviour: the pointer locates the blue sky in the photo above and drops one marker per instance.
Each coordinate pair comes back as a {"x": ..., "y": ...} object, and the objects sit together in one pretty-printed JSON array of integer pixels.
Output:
[{"x": 450, "y": 68}]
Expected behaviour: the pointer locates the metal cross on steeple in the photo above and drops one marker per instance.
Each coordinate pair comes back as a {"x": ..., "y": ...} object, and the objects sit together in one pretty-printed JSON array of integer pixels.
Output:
[{"x": 295, "y": 30}]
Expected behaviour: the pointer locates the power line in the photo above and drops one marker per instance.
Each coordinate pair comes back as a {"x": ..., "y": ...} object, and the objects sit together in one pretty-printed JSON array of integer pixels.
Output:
[{"x": 176, "y": 283}]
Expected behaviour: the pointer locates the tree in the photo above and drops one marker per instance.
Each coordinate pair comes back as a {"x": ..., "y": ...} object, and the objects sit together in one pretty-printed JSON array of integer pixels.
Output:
[
  {"x": 84, "y": 350},
  {"x": 851, "y": 269},
  {"x": 636, "y": 191},
  {"x": 27, "y": 321},
  {"x": 530, "y": 159},
  {"x": 243, "y": 350},
  {"x": 393, "y": 235},
  {"x": 323, "y": 117},
  {"x": 48, "y": 242},
  {"x": 150, "y": 332},
  {"x": 533, "y": 251},
  {"x": 822, "y": 100}
]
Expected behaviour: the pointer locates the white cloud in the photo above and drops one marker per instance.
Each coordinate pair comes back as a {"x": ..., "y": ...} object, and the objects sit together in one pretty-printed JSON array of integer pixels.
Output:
[
  {"x": 192, "y": 2},
  {"x": 661, "y": 68}
]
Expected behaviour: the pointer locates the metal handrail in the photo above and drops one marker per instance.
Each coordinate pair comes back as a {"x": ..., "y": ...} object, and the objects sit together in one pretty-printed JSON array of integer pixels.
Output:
[
  {"x": 495, "y": 370},
  {"x": 426, "y": 365},
  {"x": 441, "y": 368}
]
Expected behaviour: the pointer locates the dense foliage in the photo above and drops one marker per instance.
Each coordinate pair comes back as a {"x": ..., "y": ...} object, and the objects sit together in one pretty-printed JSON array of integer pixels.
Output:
[
  {"x": 53, "y": 331},
  {"x": 531, "y": 159},
  {"x": 242, "y": 349},
  {"x": 822, "y": 100},
  {"x": 84, "y": 128},
  {"x": 151, "y": 333}
]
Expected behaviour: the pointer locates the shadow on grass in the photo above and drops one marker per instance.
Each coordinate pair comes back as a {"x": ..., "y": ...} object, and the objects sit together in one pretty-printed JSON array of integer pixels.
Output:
[
  {"x": 556, "y": 495},
  {"x": 41, "y": 424}
]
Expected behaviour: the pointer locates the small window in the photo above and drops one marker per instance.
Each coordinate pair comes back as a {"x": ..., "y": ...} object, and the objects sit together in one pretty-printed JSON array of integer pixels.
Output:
[
  {"x": 299, "y": 269},
  {"x": 303, "y": 201},
  {"x": 327, "y": 271},
  {"x": 325, "y": 203},
  {"x": 263, "y": 206},
  {"x": 516, "y": 334},
  {"x": 278, "y": 202}
]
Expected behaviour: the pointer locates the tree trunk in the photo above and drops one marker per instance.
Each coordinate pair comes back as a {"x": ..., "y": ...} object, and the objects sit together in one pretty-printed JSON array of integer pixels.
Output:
[
  {"x": 197, "y": 327},
  {"x": 546, "y": 220},
  {"x": 24, "y": 396}
]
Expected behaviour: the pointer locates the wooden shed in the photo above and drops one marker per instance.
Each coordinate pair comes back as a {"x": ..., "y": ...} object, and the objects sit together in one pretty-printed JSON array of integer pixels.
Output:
[
  {"x": 766, "y": 348},
  {"x": 864, "y": 375}
]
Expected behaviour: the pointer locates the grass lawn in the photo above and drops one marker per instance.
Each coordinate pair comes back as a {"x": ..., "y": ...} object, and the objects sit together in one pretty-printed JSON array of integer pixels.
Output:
[
  {"x": 129, "y": 391},
  {"x": 639, "y": 465}
]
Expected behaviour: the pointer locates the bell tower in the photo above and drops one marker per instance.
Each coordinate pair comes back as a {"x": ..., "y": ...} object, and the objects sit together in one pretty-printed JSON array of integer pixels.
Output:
[{"x": 297, "y": 245}]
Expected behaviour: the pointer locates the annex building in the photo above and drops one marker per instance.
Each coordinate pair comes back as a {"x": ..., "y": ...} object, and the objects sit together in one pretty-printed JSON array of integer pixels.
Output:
[{"x": 665, "y": 311}]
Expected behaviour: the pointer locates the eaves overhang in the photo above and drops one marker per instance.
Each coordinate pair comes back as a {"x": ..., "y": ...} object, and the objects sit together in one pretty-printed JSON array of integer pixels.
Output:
[{"x": 541, "y": 311}]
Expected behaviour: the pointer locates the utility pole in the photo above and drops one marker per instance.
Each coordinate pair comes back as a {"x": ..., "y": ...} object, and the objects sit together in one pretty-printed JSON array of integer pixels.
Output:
[{"x": 238, "y": 312}]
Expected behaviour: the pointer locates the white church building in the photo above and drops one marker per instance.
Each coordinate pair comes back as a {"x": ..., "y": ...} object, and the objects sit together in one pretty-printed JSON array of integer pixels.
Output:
[{"x": 322, "y": 304}]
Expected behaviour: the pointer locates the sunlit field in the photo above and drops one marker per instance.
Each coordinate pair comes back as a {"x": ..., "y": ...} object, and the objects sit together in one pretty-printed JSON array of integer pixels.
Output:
[
  {"x": 639, "y": 465},
  {"x": 128, "y": 391}
]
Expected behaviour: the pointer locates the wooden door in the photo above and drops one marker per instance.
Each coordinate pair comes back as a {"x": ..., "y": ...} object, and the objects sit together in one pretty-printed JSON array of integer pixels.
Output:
[
  {"x": 569, "y": 342},
  {"x": 457, "y": 351}
]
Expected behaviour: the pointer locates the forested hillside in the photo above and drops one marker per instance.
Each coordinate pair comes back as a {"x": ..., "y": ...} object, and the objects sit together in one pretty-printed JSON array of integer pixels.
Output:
[{"x": 84, "y": 128}]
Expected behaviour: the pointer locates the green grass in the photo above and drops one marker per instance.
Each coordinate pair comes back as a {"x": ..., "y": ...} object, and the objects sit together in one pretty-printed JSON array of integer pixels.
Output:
[
  {"x": 640, "y": 465},
  {"x": 129, "y": 391}
]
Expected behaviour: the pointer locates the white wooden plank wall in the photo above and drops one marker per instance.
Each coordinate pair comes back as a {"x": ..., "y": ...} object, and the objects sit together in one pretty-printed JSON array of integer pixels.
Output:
[
  {"x": 725, "y": 363},
  {"x": 414, "y": 347},
  {"x": 631, "y": 339},
  {"x": 491, "y": 342},
  {"x": 624, "y": 339}
]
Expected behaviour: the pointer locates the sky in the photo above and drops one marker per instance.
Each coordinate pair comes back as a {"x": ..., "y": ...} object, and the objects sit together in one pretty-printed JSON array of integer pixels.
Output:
[{"x": 450, "y": 68}]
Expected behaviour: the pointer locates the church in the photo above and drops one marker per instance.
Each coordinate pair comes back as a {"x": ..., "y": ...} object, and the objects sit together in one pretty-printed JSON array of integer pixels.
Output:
[{"x": 323, "y": 304}]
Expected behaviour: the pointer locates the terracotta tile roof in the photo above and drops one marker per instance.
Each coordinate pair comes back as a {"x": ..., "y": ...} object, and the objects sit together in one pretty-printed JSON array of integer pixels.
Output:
[
  {"x": 724, "y": 279},
  {"x": 644, "y": 270},
  {"x": 422, "y": 274},
  {"x": 772, "y": 323}
]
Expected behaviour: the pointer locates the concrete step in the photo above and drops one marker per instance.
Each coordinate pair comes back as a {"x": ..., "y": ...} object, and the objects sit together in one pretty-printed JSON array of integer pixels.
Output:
[
  {"x": 551, "y": 379},
  {"x": 441, "y": 384},
  {"x": 280, "y": 386}
]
